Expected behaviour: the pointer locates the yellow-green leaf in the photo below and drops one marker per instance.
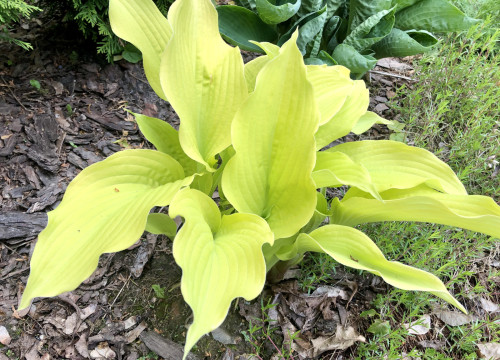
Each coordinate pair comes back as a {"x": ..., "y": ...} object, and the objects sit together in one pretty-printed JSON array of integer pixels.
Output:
[
  {"x": 346, "y": 118},
  {"x": 203, "y": 78},
  {"x": 335, "y": 169},
  {"x": 367, "y": 120},
  {"x": 103, "y": 210},
  {"x": 473, "y": 212},
  {"x": 221, "y": 259},
  {"x": 332, "y": 85},
  {"x": 392, "y": 164},
  {"x": 273, "y": 136},
  {"x": 159, "y": 223},
  {"x": 166, "y": 139},
  {"x": 352, "y": 248},
  {"x": 142, "y": 24}
]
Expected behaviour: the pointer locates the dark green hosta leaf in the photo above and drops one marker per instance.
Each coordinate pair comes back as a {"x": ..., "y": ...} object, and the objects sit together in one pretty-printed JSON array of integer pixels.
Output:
[
  {"x": 323, "y": 58},
  {"x": 404, "y": 43},
  {"x": 309, "y": 26},
  {"x": 349, "y": 57},
  {"x": 332, "y": 6},
  {"x": 249, "y": 4},
  {"x": 271, "y": 13},
  {"x": 331, "y": 27},
  {"x": 372, "y": 30},
  {"x": 309, "y": 6},
  {"x": 360, "y": 10},
  {"x": 401, "y": 4},
  {"x": 434, "y": 16},
  {"x": 237, "y": 25}
]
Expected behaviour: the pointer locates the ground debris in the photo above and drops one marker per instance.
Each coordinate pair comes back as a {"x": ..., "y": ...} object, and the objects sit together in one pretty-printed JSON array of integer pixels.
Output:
[
  {"x": 167, "y": 349},
  {"x": 489, "y": 351}
]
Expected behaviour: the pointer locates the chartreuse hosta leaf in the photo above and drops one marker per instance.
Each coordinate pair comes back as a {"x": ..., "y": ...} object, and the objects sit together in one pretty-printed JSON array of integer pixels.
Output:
[
  {"x": 367, "y": 120},
  {"x": 352, "y": 248},
  {"x": 396, "y": 165},
  {"x": 335, "y": 169},
  {"x": 221, "y": 259},
  {"x": 273, "y": 136},
  {"x": 142, "y": 24},
  {"x": 331, "y": 84},
  {"x": 203, "y": 79},
  {"x": 346, "y": 118},
  {"x": 103, "y": 210},
  {"x": 423, "y": 204},
  {"x": 166, "y": 139}
]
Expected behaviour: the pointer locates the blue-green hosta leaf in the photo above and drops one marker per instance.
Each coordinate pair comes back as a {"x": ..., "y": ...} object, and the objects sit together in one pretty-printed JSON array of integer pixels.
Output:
[
  {"x": 272, "y": 13},
  {"x": 142, "y": 24},
  {"x": 401, "y": 4},
  {"x": 370, "y": 118},
  {"x": 423, "y": 204},
  {"x": 309, "y": 26},
  {"x": 159, "y": 223},
  {"x": 103, "y": 210},
  {"x": 349, "y": 57},
  {"x": 221, "y": 259},
  {"x": 433, "y": 16},
  {"x": 393, "y": 164},
  {"x": 372, "y": 30},
  {"x": 273, "y": 136},
  {"x": 401, "y": 43},
  {"x": 238, "y": 26},
  {"x": 346, "y": 118},
  {"x": 352, "y": 248},
  {"x": 204, "y": 80},
  {"x": 361, "y": 10}
]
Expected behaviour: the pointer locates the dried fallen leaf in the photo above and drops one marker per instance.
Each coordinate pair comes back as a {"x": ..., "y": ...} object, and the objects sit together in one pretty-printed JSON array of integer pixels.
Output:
[
  {"x": 102, "y": 351},
  {"x": 343, "y": 338},
  {"x": 489, "y": 351},
  {"x": 434, "y": 344},
  {"x": 454, "y": 318},
  {"x": 489, "y": 306},
  {"x": 4, "y": 336},
  {"x": 82, "y": 347},
  {"x": 420, "y": 326}
]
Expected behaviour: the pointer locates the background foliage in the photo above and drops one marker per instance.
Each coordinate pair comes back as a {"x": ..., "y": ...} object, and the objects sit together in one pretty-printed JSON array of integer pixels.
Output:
[{"x": 12, "y": 11}]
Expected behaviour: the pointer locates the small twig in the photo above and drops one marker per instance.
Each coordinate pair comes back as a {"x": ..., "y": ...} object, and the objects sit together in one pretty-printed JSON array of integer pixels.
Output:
[
  {"x": 119, "y": 292},
  {"x": 393, "y": 75},
  {"x": 14, "y": 95},
  {"x": 14, "y": 273},
  {"x": 137, "y": 78}
]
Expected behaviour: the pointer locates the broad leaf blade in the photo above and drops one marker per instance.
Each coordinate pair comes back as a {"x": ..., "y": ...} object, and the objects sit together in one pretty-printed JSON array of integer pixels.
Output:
[
  {"x": 332, "y": 85},
  {"x": 367, "y": 120},
  {"x": 166, "y": 139},
  {"x": 433, "y": 16},
  {"x": 346, "y": 118},
  {"x": 473, "y": 212},
  {"x": 352, "y": 248},
  {"x": 393, "y": 164},
  {"x": 349, "y": 57},
  {"x": 103, "y": 210},
  {"x": 271, "y": 13},
  {"x": 401, "y": 43},
  {"x": 159, "y": 223},
  {"x": 335, "y": 169},
  {"x": 220, "y": 259},
  {"x": 372, "y": 30},
  {"x": 238, "y": 26},
  {"x": 204, "y": 80},
  {"x": 142, "y": 24},
  {"x": 273, "y": 136},
  {"x": 360, "y": 10}
]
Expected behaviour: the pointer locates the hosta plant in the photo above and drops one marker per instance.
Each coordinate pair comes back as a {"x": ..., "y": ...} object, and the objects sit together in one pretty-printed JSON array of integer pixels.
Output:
[
  {"x": 353, "y": 33},
  {"x": 252, "y": 135}
]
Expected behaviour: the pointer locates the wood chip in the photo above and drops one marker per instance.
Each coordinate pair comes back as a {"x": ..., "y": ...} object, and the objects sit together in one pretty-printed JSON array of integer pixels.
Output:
[{"x": 167, "y": 349}]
